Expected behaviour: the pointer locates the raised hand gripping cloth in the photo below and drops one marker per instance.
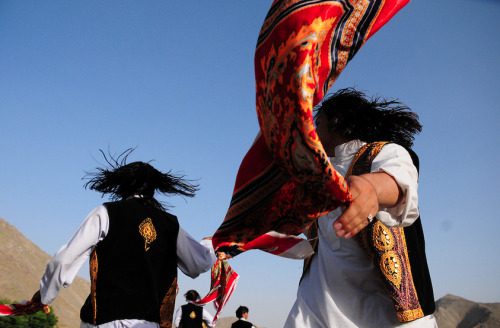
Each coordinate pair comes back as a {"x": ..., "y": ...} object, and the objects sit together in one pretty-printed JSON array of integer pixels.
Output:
[{"x": 285, "y": 181}]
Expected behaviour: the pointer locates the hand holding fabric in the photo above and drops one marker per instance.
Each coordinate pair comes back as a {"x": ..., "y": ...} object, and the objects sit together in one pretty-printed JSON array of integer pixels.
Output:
[
  {"x": 369, "y": 191},
  {"x": 24, "y": 308}
]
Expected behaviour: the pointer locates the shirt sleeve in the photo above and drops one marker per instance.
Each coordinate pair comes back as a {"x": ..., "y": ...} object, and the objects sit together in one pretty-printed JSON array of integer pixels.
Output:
[
  {"x": 207, "y": 317},
  {"x": 396, "y": 161},
  {"x": 177, "y": 317},
  {"x": 65, "y": 264},
  {"x": 193, "y": 257}
]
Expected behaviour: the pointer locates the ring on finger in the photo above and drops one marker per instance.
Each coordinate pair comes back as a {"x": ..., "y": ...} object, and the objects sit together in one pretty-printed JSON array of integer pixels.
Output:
[{"x": 370, "y": 218}]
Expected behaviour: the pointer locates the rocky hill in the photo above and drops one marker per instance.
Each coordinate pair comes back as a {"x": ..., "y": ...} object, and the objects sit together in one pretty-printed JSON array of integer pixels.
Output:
[
  {"x": 453, "y": 311},
  {"x": 23, "y": 264}
]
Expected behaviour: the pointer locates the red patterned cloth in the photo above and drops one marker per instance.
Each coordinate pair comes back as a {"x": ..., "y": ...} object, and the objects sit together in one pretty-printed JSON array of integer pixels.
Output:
[
  {"x": 223, "y": 282},
  {"x": 286, "y": 181},
  {"x": 23, "y": 308}
]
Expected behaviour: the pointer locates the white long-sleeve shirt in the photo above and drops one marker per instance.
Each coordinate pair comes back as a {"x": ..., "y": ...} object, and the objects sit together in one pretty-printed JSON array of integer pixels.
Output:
[
  {"x": 341, "y": 288},
  {"x": 193, "y": 258}
]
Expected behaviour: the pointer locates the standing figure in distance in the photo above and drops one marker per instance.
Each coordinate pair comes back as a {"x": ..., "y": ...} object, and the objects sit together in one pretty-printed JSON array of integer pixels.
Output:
[
  {"x": 191, "y": 315},
  {"x": 135, "y": 247},
  {"x": 341, "y": 286},
  {"x": 242, "y": 315}
]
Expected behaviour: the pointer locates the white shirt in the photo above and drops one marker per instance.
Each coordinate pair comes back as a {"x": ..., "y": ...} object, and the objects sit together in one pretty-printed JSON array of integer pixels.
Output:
[
  {"x": 193, "y": 258},
  {"x": 206, "y": 317},
  {"x": 341, "y": 288}
]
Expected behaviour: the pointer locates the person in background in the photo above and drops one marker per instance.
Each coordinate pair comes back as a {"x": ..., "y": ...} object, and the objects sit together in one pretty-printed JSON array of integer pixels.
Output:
[
  {"x": 191, "y": 315},
  {"x": 242, "y": 315},
  {"x": 355, "y": 282},
  {"x": 135, "y": 247}
]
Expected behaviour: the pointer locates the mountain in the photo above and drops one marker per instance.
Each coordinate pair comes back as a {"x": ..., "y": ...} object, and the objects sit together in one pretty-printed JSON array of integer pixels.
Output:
[
  {"x": 22, "y": 266},
  {"x": 456, "y": 312},
  {"x": 225, "y": 322}
]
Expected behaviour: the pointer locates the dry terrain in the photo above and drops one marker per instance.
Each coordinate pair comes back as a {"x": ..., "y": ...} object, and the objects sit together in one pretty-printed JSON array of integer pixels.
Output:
[{"x": 23, "y": 264}]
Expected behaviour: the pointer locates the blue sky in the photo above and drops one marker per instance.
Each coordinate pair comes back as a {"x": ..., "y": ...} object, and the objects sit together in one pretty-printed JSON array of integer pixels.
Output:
[{"x": 175, "y": 80}]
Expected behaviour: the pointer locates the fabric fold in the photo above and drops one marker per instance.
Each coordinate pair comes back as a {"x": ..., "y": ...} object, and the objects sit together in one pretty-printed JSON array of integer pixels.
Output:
[{"x": 285, "y": 180}]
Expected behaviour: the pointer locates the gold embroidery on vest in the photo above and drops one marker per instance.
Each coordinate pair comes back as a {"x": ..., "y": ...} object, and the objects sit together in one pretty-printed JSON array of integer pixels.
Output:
[
  {"x": 93, "y": 285},
  {"x": 410, "y": 315},
  {"x": 382, "y": 237},
  {"x": 391, "y": 268},
  {"x": 167, "y": 306},
  {"x": 148, "y": 232},
  {"x": 192, "y": 315},
  {"x": 387, "y": 248}
]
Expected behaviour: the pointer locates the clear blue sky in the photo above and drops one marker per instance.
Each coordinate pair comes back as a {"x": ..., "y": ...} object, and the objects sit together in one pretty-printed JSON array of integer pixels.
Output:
[{"x": 175, "y": 79}]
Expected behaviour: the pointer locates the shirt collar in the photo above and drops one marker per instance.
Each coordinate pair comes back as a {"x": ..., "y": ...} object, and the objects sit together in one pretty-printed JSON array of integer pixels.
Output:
[{"x": 347, "y": 149}]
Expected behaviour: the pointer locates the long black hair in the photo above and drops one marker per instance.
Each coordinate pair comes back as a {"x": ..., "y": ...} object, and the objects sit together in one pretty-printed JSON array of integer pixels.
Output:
[
  {"x": 122, "y": 180},
  {"x": 354, "y": 116}
]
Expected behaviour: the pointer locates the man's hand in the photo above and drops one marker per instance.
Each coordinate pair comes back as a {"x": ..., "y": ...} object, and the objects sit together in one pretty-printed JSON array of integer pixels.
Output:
[
  {"x": 364, "y": 203},
  {"x": 36, "y": 298},
  {"x": 369, "y": 191}
]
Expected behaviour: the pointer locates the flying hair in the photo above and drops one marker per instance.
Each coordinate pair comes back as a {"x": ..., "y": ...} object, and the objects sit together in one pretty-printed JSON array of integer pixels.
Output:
[
  {"x": 122, "y": 180},
  {"x": 353, "y": 115}
]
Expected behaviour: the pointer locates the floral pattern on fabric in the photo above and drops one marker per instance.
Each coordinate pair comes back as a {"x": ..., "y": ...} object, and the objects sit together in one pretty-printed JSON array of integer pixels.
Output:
[{"x": 285, "y": 180}]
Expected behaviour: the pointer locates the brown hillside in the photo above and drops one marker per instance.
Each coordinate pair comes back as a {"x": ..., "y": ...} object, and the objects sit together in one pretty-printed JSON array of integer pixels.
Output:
[
  {"x": 456, "y": 312},
  {"x": 22, "y": 266}
]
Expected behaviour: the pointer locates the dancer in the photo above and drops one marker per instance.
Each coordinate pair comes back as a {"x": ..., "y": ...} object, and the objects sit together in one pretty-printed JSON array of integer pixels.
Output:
[
  {"x": 191, "y": 315},
  {"x": 135, "y": 247},
  {"x": 341, "y": 285},
  {"x": 242, "y": 315}
]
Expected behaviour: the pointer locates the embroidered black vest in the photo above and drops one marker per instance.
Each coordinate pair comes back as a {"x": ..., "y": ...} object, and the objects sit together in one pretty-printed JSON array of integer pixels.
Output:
[
  {"x": 398, "y": 254},
  {"x": 241, "y": 324},
  {"x": 192, "y": 316},
  {"x": 133, "y": 270}
]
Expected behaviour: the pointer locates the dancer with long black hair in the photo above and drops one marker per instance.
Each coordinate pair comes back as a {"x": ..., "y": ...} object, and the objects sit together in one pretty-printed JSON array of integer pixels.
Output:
[
  {"x": 135, "y": 247},
  {"x": 379, "y": 277}
]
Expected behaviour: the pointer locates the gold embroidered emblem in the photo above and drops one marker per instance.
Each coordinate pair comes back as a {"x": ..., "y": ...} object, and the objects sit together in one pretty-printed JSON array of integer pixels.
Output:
[
  {"x": 148, "y": 232},
  {"x": 389, "y": 263},
  {"x": 382, "y": 237},
  {"x": 192, "y": 315},
  {"x": 167, "y": 306}
]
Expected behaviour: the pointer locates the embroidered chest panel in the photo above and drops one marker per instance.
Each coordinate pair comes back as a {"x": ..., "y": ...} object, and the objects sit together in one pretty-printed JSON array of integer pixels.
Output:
[{"x": 148, "y": 232}]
